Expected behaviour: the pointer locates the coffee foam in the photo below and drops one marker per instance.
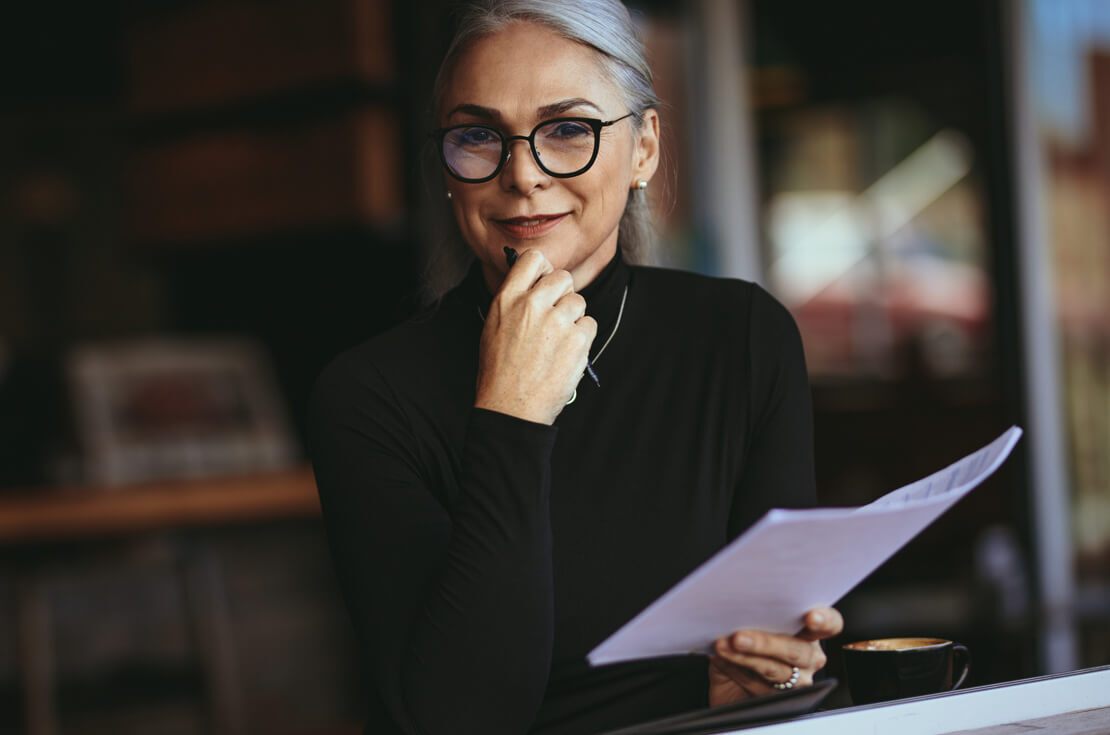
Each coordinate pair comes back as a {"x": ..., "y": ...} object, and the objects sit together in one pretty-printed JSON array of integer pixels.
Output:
[{"x": 895, "y": 644}]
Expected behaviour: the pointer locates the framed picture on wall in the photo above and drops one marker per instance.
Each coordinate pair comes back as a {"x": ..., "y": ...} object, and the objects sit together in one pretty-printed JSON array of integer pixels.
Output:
[{"x": 160, "y": 409}]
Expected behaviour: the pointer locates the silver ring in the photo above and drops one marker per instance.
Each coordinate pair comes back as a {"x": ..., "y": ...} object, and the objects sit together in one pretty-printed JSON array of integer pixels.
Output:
[{"x": 789, "y": 683}]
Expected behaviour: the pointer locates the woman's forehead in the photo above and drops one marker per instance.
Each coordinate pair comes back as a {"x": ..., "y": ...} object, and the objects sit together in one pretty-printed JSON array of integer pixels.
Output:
[{"x": 519, "y": 73}]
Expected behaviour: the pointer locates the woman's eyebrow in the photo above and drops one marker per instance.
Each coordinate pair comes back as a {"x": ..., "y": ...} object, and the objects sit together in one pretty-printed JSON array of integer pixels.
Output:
[
  {"x": 476, "y": 110},
  {"x": 562, "y": 106},
  {"x": 555, "y": 108}
]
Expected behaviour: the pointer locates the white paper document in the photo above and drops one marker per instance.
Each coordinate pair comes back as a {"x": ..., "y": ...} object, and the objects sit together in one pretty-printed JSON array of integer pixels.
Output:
[{"x": 793, "y": 560}]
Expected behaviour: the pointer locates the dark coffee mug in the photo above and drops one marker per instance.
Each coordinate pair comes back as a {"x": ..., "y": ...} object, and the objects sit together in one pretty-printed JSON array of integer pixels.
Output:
[{"x": 892, "y": 668}]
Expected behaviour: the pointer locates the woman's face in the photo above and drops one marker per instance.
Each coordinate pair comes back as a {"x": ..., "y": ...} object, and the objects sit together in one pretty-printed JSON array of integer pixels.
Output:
[{"x": 505, "y": 81}]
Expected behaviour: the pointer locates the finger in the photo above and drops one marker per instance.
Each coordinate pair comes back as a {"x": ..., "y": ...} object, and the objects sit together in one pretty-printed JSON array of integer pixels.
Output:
[
  {"x": 530, "y": 266},
  {"x": 754, "y": 683},
  {"x": 572, "y": 305},
  {"x": 551, "y": 287},
  {"x": 773, "y": 669},
  {"x": 769, "y": 669},
  {"x": 788, "y": 649},
  {"x": 822, "y": 623},
  {"x": 589, "y": 326},
  {"x": 747, "y": 680}
]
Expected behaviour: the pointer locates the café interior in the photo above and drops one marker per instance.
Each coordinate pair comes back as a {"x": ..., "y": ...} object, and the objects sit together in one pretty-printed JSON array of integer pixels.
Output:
[{"x": 203, "y": 202}]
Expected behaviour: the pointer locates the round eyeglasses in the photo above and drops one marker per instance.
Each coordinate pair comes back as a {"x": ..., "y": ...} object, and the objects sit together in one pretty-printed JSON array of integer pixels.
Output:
[{"x": 563, "y": 147}]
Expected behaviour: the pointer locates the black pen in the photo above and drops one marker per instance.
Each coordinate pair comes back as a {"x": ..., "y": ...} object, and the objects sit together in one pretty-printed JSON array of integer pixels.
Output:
[{"x": 511, "y": 256}]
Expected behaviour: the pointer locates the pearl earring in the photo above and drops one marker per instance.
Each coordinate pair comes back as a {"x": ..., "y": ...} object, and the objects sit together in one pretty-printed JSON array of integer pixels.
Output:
[
  {"x": 641, "y": 184},
  {"x": 448, "y": 195}
]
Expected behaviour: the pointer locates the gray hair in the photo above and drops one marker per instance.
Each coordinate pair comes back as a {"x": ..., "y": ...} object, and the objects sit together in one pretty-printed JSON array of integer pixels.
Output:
[{"x": 605, "y": 26}]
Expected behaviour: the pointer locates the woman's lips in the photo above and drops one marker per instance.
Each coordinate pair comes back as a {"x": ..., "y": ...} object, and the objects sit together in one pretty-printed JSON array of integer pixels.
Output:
[{"x": 523, "y": 230}]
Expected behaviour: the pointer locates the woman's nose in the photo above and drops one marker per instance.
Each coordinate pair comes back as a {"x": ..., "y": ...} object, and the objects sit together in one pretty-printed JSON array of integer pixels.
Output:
[{"x": 521, "y": 171}]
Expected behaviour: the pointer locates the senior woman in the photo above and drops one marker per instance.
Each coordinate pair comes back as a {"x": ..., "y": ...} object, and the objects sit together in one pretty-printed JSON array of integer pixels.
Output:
[{"x": 493, "y": 514}]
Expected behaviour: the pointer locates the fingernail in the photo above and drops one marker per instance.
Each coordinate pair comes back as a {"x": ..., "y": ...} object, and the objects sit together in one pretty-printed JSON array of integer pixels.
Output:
[
  {"x": 744, "y": 642},
  {"x": 817, "y": 618}
]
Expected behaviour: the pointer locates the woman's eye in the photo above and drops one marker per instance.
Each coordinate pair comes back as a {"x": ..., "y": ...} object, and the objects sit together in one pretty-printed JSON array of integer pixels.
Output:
[
  {"x": 476, "y": 136},
  {"x": 570, "y": 130}
]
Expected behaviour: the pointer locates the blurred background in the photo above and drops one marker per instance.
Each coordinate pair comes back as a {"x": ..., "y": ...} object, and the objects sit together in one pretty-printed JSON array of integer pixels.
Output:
[{"x": 203, "y": 201}]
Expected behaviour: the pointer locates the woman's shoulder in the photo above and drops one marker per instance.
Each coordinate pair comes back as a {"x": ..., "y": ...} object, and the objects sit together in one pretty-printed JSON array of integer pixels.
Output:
[
  {"x": 737, "y": 298},
  {"x": 400, "y": 350},
  {"x": 687, "y": 282},
  {"x": 348, "y": 377},
  {"x": 753, "y": 323}
]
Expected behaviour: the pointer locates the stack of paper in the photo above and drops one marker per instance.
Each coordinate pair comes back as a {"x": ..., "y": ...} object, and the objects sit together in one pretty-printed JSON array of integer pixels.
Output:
[{"x": 793, "y": 560}]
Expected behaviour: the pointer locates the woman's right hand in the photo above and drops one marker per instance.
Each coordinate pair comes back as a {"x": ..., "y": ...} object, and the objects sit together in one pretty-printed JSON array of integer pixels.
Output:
[{"x": 535, "y": 342}]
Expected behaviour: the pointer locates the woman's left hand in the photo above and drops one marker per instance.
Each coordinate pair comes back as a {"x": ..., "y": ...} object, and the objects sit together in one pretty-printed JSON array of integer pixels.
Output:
[{"x": 749, "y": 663}]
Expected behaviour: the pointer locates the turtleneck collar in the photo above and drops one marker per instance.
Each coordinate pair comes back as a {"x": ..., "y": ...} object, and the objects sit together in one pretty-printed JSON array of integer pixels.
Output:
[{"x": 603, "y": 294}]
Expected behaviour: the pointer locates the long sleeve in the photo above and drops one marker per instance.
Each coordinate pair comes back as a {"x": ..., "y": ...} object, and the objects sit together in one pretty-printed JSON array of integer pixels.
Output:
[
  {"x": 452, "y": 602},
  {"x": 778, "y": 470},
  {"x": 483, "y": 556}
]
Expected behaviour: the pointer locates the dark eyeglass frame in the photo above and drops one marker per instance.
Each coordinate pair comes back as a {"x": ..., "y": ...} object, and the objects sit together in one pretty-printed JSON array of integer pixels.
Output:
[{"x": 439, "y": 134}]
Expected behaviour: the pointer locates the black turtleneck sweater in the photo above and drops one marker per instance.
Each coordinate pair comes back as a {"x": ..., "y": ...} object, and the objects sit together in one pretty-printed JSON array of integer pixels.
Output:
[{"x": 482, "y": 556}]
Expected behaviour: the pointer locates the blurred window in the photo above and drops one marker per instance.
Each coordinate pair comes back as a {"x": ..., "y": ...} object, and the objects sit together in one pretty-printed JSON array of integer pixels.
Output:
[
  {"x": 1069, "y": 41},
  {"x": 875, "y": 239}
]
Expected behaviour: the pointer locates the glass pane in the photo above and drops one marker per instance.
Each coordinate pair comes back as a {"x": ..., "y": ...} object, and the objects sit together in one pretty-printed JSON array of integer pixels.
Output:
[{"x": 1069, "y": 41}]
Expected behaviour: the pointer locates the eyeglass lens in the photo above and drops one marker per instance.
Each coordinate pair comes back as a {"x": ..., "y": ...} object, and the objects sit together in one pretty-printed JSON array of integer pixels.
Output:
[{"x": 561, "y": 146}]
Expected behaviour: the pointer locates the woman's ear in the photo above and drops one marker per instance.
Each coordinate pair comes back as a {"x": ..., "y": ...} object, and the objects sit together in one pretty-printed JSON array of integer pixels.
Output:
[{"x": 645, "y": 154}]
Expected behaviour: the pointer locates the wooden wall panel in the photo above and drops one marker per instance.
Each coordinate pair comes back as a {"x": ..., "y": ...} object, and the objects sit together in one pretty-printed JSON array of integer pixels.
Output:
[
  {"x": 213, "y": 54},
  {"x": 228, "y": 185}
]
